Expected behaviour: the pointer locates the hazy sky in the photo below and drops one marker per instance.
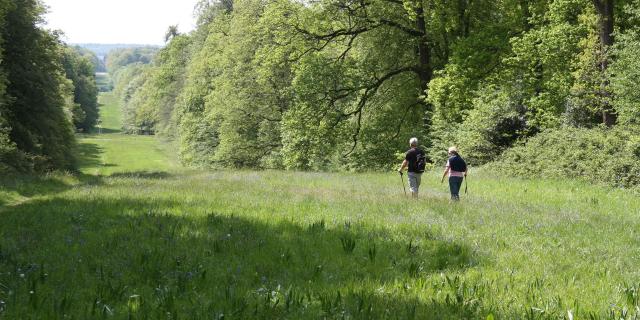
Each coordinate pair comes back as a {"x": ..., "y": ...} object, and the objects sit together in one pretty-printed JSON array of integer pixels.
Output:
[{"x": 119, "y": 21}]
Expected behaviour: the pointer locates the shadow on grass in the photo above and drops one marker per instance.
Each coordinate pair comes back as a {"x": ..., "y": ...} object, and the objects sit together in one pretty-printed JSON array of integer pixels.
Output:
[
  {"x": 142, "y": 175},
  {"x": 152, "y": 259},
  {"x": 30, "y": 185},
  {"x": 89, "y": 155},
  {"x": 106, "y": 131},
  {"x": 33, "y": 185}
]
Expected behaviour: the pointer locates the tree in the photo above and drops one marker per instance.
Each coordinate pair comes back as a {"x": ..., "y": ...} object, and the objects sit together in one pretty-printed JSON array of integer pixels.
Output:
[
  {"x": 119, "y": 58},
  {"x": 624, "y": 70},
  {"x": 365, "y": 69},
  {"x": 171, "y": 33},
  {"x": 36, "y": 105},
  {"x": 605, "y": 11},
  {"x": 81, "y": 71},
  {"x": 342, "y": 84}
]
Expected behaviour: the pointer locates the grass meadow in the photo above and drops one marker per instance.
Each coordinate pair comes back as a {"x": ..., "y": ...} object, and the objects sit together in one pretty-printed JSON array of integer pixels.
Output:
[
  {"x": 103, "y": 81},
  {"x": 108, "y": 151},
  {"x": 134, "y": 236}
]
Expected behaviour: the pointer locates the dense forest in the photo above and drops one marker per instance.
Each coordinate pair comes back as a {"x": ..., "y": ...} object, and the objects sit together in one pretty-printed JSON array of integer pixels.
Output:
[
  {"x": 102, "y": 50},
  {"x": 532, "y": 87},
  {"x": 47, "y": 91},
  {"x": 343, "y": 84}
]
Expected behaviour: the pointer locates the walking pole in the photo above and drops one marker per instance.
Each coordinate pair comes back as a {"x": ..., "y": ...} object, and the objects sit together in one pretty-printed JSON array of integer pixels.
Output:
[
  {"x": 403, "y": 187},
  {"x": 465, "y": 185}
]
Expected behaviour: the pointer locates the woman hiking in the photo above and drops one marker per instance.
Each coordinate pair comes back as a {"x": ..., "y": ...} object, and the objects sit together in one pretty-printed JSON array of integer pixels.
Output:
[{"x": 456, "y": 168}]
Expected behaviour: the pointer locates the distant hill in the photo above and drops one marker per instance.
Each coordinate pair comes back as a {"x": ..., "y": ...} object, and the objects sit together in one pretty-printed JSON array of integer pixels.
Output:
[{"x": 101, "y": 50}]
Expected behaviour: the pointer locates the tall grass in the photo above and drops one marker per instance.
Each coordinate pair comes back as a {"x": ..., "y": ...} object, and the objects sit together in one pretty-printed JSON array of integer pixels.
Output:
[
  {"x": 140, "y": 241},
  {"x": 309, "y": 245}
]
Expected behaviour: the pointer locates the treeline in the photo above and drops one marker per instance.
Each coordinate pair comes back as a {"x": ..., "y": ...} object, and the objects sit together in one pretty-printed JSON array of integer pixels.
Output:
[
  {"x": 127, "y": 67},
  {"x": 47, "y": 91},
  {"x": 344, "y": 84}
]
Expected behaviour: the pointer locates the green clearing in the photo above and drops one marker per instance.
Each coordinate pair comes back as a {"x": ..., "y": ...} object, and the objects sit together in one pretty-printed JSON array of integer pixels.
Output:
[
  {"x": 104, "y": 82},
  {"x": 135, "y": 237},
  {"x": 110, "y": 151}
]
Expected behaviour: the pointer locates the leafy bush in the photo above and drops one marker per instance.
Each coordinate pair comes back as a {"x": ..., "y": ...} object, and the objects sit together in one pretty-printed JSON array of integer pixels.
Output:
[
  {"x": 625, "y": 71},
  {"x": 599, "y": 155},
  {"x": 497, "y": 121}
]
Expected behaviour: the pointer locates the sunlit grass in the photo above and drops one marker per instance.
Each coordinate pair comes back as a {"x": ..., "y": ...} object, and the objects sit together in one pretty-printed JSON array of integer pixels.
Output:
[
  {"x": 110, "y": 151},
  {"x": 134, "y": 236},
  {"x": 308, "y": 245},
  {"x": 103, "y": 81}
]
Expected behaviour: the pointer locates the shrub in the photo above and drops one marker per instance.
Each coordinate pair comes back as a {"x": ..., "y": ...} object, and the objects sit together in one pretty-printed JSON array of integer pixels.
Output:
[
  {"x": 497, "y": 121},
  {"x": 600, "y": 155}
]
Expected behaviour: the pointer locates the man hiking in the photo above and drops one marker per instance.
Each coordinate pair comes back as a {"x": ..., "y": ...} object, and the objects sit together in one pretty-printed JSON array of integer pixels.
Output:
[
  {"x": 457, "y": 170},
  {"x": 415, "y": 161}
]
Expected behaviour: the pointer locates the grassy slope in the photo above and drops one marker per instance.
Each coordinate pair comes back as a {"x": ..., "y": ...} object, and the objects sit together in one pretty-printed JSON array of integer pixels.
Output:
[
  {"x": 143, "y": 237},
  {"x": 103, "y": 81},
  {"x": 111, "y": 151}
]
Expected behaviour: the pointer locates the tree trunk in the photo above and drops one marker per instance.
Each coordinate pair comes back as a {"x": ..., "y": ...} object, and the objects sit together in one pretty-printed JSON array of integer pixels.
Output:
[
  {"x": 605, "y": 12},
  {"x": 526, "y": 15},
  {"x": 424, "y": 53},
  {"x": 425, "y": 70}
]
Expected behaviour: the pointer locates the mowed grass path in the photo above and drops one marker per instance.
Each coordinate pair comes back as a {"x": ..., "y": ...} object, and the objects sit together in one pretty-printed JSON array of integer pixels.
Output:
[
  {"x": 137, "y": 238},
  {"x": 109, "y": 151}
]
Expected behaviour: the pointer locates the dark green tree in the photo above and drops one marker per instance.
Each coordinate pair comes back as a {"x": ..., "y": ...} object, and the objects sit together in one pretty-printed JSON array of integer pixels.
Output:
[
  {"x": 80, "y": 70},
  {"x": 36, "y": 109}
]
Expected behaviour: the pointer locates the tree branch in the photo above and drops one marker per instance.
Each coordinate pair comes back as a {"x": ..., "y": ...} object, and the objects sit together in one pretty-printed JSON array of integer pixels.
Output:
[
  {"x": 369, "y": 92},
  {"x": 410, "y": 31}
]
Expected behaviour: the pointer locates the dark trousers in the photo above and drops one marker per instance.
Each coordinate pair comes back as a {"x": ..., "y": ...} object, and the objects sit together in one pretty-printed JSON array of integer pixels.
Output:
[{"x": 454, "y": 186}]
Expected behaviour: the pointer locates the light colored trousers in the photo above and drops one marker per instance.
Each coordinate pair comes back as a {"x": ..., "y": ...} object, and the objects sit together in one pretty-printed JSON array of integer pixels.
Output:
[{"x": 414, "y": 181}]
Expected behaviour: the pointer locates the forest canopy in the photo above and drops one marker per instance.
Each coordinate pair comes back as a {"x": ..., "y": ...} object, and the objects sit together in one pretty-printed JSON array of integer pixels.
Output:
[
  {"x": 339, "y": 84},
  {"x": 342, "y": 84},
  {"x": 47, "y": 91}
]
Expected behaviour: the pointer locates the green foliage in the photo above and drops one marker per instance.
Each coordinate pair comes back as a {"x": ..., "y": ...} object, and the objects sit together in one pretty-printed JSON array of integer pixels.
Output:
[
  {"x": 611, "y": 156},
  {"x": 335, "y": 85},
  {"x": 98, "y": 62},
  {"x": 625, "y": 70},
  {"x": 119, "y": 58},
  {"x": 198, "y": 135},
  {"x": 80, "y": 69},
  {"x": 235, "y": 93},
  {"x": 494, "y": 124},
  {"x": 250, "y": 94},
  {"x": 548, "y": 76},
  {"x": 7, "y": 147},
  {"x": 35, "y": 125},
  {"x": 103, "y": 82},
  {"x": 598, "y": 155},
  {"x": 150, "y": 107},
  {"x": 11, "y": 159},
  {"x": 584, "y": 107},
  {"x": 129, "y": 71},
  {"x": 316, "y": 88}
]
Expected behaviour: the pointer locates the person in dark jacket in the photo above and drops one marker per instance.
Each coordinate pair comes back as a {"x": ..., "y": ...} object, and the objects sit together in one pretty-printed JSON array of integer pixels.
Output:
[
  {"x": 456, "y": 168},
  {"x": 411, "y": 161}
]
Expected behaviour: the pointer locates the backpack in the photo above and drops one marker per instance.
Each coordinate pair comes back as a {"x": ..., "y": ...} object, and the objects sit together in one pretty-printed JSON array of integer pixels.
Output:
[
  {"x": 457, "y": 164},
  {"x": 421, "y": 162}
]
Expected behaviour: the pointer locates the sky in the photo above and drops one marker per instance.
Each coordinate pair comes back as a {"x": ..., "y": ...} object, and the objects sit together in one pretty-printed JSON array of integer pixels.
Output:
[{"x": 119, "y": 21}]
